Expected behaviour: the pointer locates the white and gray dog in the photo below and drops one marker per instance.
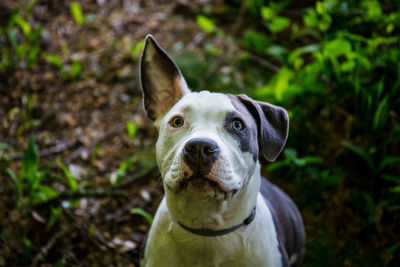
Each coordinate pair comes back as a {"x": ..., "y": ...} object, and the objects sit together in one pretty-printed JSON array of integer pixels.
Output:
[{"x": 217, "y": 209}]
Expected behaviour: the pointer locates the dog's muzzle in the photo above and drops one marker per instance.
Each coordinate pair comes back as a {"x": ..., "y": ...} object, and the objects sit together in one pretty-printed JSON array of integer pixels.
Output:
[{"x": 200, "y": 154}]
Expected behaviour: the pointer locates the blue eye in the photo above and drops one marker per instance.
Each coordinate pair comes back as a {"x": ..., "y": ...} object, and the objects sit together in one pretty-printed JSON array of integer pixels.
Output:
[
  {"x": 177, "y": 122},
  {"x": 236, "y": 125}
]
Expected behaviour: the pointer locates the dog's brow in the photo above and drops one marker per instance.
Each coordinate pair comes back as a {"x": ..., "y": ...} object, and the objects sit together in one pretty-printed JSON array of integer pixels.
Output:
[{"x": 186, "y": 108}]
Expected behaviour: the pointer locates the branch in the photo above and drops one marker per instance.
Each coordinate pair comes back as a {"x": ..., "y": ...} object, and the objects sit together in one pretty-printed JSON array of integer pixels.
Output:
[
  {"x": 90, "y": 193},
  {"x": 57, "y": 149},
  {"x": 116, "y": 190},
  {"x": 263, "y": 62},
  {"x": 44, "y": 250},
  {"x": 110, "y": 134}
]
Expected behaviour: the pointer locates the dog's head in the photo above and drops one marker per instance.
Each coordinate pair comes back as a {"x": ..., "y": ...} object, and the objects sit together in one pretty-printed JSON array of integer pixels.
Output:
[{"x": 209, "y": 143}]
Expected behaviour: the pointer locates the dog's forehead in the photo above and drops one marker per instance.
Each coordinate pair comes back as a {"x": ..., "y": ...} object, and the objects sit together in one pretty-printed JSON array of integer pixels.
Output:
[{"x": 205, "y": 102}]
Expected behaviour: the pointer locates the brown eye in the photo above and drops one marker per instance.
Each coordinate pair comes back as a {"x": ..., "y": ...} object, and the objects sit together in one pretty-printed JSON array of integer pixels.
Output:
[
  {"x": 236, "y": 125},
  {"x": 177, "y": 122}
]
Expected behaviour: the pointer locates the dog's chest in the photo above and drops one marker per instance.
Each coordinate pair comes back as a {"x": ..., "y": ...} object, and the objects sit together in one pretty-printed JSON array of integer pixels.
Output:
[{"x": 252, "y": 245}]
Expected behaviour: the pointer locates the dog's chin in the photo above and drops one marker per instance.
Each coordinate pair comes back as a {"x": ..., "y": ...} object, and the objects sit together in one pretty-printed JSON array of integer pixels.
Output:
[{"x": 204, "y": 188}]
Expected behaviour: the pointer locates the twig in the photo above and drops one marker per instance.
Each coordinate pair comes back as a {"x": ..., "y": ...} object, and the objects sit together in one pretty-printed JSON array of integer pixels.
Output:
[
  {"x": 57, "y": 149},
  {"x": 113, "y": 132},
  {"x": 92, "y": 235},
  {"x": 44, "y": 250},
  {"x": 263, "y": 62},
  {"x": 100, "y": 192},
  {"x": 139, "y": 178},
  {"x": 92, "y": 193}
]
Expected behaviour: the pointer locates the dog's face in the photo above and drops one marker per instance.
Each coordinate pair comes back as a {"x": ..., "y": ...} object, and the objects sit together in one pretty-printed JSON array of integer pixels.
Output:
[
  {"x": 209, "y": 143},
  {"x": 203, "y": 145}
]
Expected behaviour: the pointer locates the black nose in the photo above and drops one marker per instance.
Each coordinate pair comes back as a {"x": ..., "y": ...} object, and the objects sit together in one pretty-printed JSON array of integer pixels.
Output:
[{"x": 200, "y": 154}]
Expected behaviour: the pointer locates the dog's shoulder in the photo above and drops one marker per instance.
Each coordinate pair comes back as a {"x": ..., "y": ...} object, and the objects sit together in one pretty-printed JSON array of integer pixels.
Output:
[{"x": 286, "y": 218}]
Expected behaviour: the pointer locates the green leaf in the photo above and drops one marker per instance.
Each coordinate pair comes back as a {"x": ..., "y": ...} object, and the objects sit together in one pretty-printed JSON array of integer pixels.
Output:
[
  {"x": 27, "y": 243},
  {"x": 143, "y": 213},
  {"x": 312, "y": 160},
  {"x": 12, "y": 35},
  {"x": 54, "y": 215},
  {"x": 71, "y": 179},
  {"x": 277, "y": 165},
  {"x": 32, "y": 56},
  {"x": 30, "y": 161},
  {"x": 18, "y": 186},
  {"x": 282, "y": 82},
  {"x": 137, "y": 48},
  {"x": 381, "y": 114},
  {"x": 33, "y": 38},
  {"x": 278, "y": 52},
  {"x": 21, "y": 50},
  {"x": 131, "y": 128},
  {"x": 278, "y": 24},
  {"x": 360, "y": 152},
  {"x": 388, "y": 160},
  {"x": 211, "y": 49},
  {"x": 26, "y": 125},
  {"x": 24, "y": 25},
  {"x": 311, "y": 18},
  {"x": 76, "y": 12},
  {"x": 76, "y": 70},
  {"x": 205, "y": 24},
  {"x": 53, "y": 59},
  {"x": 267, "y": 13},
  {"x": 390, "y": 178},
  {"x": 395, "y": 189},
  {"x": 325, "y": 23},
  {"x": 30, "y": 6},
  {"x": 124, "y": 167},
  {"x": 44, "y": 193},
  {"x": 255, "y": 41},
  {"x": 337, "y": 47},
  {"x": 393, "y": 248}
]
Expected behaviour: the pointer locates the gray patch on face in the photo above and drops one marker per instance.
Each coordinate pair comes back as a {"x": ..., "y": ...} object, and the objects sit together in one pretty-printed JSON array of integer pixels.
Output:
[{"x": 247, "y": 137}]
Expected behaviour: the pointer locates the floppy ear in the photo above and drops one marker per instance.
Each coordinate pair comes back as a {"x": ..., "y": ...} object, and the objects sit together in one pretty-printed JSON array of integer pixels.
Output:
[
  {"x": 161, "y": 81},
  {"x": 272, "y": 123}
]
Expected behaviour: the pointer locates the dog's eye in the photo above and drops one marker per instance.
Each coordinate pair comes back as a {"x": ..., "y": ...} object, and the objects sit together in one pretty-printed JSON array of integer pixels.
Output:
[
  {"x": 177, "y": 122},
  {"x": 236, "y": 125}
]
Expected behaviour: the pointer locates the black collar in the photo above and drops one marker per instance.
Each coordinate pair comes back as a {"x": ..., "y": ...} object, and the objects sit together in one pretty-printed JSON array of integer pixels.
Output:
[{"x": 210, "y": 232}]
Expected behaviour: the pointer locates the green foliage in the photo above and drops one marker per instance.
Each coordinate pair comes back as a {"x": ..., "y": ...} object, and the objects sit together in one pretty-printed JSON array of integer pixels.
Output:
[
  {"x": 132, "y": 129},
  {"x": 143, "y": 213},
  {"x": 19, "y": 43},
  {"x": 72, "y": 71},
  {"x": 30, "y": 179},
  {"x": 77, "y": 13},
  {"x": 136, "y": 49},
  {"x": 118, "y": 175},
  {"x": 71, "y": 179},
  {"x": 275, "y": 23},
  {"x": 54, "y": 60},
  {"x": 205, "y": 24}
]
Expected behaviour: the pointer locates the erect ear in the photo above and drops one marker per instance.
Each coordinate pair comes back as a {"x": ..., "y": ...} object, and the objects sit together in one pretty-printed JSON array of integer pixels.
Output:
[
  {"x": 161, "y": 81},
  {"x": 272, "y": 123}
]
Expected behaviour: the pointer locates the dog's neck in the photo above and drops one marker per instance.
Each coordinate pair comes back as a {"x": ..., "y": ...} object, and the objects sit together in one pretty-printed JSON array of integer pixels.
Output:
[{"x": 196, "y": 212}]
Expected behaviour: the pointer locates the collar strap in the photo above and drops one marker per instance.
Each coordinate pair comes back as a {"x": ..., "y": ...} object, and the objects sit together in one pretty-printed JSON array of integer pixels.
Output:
[{"x": 210, "y": 232}]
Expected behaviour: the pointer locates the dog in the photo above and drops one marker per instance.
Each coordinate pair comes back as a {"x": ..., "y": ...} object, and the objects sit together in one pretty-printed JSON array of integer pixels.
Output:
[{"x": 217, "y": 209}]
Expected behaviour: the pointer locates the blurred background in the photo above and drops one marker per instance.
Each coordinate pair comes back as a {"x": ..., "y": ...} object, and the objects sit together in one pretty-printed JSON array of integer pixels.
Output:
[{"x": 78, "y": 178}]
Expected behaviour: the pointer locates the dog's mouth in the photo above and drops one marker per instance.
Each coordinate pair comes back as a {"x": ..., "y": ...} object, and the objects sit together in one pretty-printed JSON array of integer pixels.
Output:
[{"x": 199, "y": 185}]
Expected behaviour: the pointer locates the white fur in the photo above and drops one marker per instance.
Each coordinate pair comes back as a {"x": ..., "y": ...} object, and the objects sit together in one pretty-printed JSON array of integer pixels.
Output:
[
  {"x": 169, "y": 244},
  {"x": 253, "y": 245}
]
